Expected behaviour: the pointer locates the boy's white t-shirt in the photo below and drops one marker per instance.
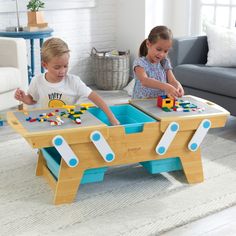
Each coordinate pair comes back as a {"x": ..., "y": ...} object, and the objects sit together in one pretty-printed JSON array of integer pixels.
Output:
[{"x": 66, "y": 92}]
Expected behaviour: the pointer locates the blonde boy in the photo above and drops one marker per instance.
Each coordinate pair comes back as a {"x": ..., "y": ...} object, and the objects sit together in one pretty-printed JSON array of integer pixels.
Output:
[{"x": 56, "y": 87}]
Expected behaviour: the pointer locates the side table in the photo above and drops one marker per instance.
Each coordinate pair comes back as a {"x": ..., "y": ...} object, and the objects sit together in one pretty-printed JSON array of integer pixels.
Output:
[{"x": 30, "y": 35}]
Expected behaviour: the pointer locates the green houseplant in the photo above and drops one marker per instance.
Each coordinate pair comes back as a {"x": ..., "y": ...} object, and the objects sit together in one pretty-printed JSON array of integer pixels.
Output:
[
  {"x": 35, "y": 5},
  {"x": 35, "y": 16}
]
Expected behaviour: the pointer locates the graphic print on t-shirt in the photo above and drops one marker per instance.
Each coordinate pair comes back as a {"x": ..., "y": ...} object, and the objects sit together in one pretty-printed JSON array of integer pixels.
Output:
[{"x": 55, "y": 100}]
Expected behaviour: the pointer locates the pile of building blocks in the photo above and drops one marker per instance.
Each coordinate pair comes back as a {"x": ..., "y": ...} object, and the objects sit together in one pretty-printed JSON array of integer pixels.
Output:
[
  {"x": 55, "y": 118},
  {"x": 171, "y": 104}
]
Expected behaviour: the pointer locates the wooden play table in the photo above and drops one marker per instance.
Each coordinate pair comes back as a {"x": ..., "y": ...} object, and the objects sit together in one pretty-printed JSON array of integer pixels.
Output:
[{"x": 94, "y": 144}]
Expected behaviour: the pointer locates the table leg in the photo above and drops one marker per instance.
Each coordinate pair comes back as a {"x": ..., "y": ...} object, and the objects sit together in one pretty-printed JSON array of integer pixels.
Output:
[
  {"x": 192, "y": 166},
  {"x": 32, "y": 56},
  {"x": 41, "y": 44},
  {"x": 40, "y": 164},
  {"x": 67, "y": 184},
  {"x": 29, "y": 74}
]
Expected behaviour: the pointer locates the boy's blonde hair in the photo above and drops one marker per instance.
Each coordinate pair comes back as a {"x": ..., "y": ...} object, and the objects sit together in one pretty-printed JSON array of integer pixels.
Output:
[{"x": 53, "y": 47}]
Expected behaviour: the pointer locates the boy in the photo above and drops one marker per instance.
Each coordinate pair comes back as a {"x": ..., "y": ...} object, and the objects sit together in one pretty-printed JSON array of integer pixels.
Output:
[{"x": 56, "y": 88}]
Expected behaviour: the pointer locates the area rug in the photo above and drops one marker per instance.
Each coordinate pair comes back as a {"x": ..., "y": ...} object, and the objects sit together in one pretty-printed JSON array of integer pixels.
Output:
[{"x": 128, "y": 202}]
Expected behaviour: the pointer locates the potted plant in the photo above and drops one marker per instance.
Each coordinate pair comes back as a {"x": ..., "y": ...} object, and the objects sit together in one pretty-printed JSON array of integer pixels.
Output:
[{"x": 35, "y": 16}]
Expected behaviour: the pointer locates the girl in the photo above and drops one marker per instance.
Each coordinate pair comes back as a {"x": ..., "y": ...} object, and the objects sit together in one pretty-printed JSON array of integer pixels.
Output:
[{"x": 152, "y": 70}]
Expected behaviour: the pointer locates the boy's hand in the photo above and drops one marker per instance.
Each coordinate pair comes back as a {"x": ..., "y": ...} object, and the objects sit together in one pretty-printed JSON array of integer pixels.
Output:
[
  {"x": 114, "y": 121},
  {"x": 19, "y": 95}
]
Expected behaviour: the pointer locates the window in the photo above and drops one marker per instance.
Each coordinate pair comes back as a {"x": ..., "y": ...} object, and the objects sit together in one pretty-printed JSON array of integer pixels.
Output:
[{"x": 219, "y": 12}]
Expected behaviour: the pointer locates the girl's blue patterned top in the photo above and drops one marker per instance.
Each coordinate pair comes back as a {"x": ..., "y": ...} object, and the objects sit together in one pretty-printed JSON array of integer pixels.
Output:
[{"x": 156, "y": 71}]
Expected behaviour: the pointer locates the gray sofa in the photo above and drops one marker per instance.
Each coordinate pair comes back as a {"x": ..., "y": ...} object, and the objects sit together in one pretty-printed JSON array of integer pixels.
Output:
[{"x": 217, "y": 84}]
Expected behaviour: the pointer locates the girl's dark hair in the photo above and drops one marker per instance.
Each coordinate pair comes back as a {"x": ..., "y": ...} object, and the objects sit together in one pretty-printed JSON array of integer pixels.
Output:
[{"x": 158, "y": 32}]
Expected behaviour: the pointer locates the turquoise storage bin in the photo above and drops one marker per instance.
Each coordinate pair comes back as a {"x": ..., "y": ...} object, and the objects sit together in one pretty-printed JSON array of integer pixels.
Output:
[
  {"x": 133, "y": 120},
  {"x": 53, "y": 159},
  {"x": 164, "y": 165},
  {"x": 130, "y": 117}
]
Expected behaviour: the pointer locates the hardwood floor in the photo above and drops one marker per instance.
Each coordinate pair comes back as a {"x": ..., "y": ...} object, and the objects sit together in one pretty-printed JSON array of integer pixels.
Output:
[{"x": 221, "y": 223}]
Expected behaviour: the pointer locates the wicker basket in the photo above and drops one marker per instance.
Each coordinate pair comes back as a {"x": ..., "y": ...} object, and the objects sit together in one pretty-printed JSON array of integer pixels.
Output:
[{"x": 111, "y": 72}]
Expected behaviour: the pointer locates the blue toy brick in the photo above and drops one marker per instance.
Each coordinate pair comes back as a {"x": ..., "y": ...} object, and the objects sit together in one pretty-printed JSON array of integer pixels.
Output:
[
  {"x": 130, "y": 117},
  {"x": 1, "y": 122},
  {"x": 53, "y": 159},
  {"x": 163, "y": 165},
  {"x": 192, "y": 106},
  {"x": 184, "y": 103}
]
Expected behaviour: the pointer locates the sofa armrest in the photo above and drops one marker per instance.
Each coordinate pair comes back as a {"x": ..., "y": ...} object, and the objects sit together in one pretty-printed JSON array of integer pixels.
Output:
[
  {"x": 189, "y": 50},
  {"x": 13, "y": 53}
]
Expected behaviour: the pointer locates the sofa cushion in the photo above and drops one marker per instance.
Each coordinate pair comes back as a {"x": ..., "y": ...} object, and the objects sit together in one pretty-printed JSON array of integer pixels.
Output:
[
  {"x": 217, "y": 80},
  {"x": 222, "y": 46},
  {"x": 9, "y": 79}
]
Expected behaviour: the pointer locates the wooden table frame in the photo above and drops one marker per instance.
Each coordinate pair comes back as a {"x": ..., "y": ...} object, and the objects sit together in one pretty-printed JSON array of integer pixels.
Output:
[{"x": 128, "y": 148}]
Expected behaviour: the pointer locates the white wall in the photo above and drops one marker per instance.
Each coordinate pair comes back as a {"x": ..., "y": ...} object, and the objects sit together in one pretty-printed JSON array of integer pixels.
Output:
[
  {"x": 157, "y": 12},
  {"x": 181, "y": 17},
  {"x": 130, "y": 25},
  {"x": 82, "y": 29},
  {"x": 121, "y": 24},
  {"x": 174, "y": 14}
]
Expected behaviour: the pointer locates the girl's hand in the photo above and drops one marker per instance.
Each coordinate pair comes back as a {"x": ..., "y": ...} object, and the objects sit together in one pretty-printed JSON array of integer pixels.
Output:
[
  {"x": 180, "y": 90},
  {"x": 171, "y": 91},
  {"x": 175, "y": 83}
]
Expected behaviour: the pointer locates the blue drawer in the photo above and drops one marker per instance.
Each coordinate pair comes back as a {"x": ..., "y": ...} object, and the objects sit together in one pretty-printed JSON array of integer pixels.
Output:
[
  {"x": 163, "y": 165},
  {"x": 53, "y": 160}
]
